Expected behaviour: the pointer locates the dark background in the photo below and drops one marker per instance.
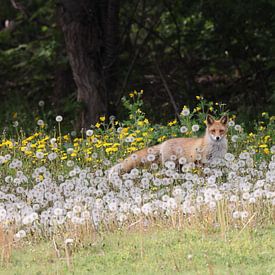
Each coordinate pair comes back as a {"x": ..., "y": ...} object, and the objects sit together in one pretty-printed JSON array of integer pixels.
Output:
[{"x": 81, "y": 57}]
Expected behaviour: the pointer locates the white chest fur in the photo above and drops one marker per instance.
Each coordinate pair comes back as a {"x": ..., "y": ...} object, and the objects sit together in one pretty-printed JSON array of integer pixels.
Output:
[{"x": 216, "y": 149}]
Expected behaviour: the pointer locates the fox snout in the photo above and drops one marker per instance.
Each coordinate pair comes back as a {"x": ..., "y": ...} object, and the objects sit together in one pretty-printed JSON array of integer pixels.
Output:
[{"x": 216, "y": 138}]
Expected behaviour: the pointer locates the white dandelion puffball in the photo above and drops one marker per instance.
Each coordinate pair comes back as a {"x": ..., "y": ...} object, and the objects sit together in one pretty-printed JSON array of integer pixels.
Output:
[
  {"x": 40, "y": 122},
  {"x": 59, "y": 118},
  {"x": 151, "y": 157},
  {"x": 185, "y": 112},
  {"x": 68, "y": 241},
  {"x": 238, "y": 127},
  {"x": 39, "y": 155},
  {"x": 195, "y": 128},
  {"x": 70, "y": 151},
  {"x": 229, "y": 157},
  {"x": 183, "y": 129},
  {"x": 52, "y": 156},
  {"x": 89, "y": 133},
  {"x": 234, "y": 138},
  {"x": 41, "y": 103}
]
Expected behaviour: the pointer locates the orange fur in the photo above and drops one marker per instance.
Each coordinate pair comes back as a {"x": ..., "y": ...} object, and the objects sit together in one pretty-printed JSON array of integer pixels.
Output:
[{"x": 212, "y": 144}]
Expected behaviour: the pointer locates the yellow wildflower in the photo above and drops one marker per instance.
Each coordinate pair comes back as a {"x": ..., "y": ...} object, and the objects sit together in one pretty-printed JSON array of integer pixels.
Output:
[
  {"x": 263, "y": 146},
  {"x": 173, "y": 122},
  {"x": 162, "y": 138}
]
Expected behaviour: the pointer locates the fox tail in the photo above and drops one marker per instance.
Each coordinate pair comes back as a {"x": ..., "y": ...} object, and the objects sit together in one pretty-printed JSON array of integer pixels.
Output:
[{"x": 136, "y": 159}]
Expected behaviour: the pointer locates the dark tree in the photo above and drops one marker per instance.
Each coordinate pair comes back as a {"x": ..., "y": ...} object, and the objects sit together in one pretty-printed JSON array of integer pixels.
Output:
[{"x": 90, "y": 29}]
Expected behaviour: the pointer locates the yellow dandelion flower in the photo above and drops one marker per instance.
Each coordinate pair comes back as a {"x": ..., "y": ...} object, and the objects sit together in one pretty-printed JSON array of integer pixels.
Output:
[
  {"x": 162, "y": 138},
  {"x": 139, "y": 139},
  {"x": 263, "y": 146},
  {"x": 173, "y": 122}
]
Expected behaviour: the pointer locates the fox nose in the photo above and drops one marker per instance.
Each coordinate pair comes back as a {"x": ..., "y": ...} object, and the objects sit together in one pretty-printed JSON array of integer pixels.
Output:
[{"x": 217, "y": 138}]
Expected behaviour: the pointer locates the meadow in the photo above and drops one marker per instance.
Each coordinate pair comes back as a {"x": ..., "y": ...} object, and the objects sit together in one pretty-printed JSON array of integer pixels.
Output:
[{"x": 58, "y": 206}]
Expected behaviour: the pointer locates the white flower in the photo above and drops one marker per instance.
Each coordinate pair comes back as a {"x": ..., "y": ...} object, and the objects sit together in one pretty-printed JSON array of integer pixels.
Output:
[
  {"x": 195, "y": 128},
  {"x": 3, "y": 214},
  {"x": 231, "y": 123},
  {"x": 53, "y": 141},
  {"x": 170, "y": 164},
  {"x": 20, "y": 234},
  {"x": 39, "y": 155},
  {"x": 40, "y": 122},
  {"x": 183, "y": 129},
  {"x": 68, "y": 241},
  {"x": 238, "y": 127},
  {"x": 52, "y": 156},
  {"x": 134, "y": 156},
  {"x": 70, "y": 151},
  {"x": 77, "y": 209},
  {"x": 58, "y": 211},
  {"x": 151, "y": 157},
  {"x": 59, "y": 118},
  {"x": 41, "y": 103},
  {"x": 185, "y": 112},
  {"x": 182, "y": 160},
  {"x": 73, "y": 133},
  {"x": 236, "y": 215},
  {"x": 272, "y": 149},
  {"x": 229, "y": 157},
  {"x": 89, "y": 133},
  {"x": 234, "y": 138}
]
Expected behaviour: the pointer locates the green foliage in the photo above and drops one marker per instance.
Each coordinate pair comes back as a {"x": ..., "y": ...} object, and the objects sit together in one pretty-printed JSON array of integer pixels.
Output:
[{"x": 221, "y": 50}]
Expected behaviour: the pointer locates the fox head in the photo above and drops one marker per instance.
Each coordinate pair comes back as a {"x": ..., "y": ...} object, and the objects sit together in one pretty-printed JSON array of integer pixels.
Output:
[{"x": 217, "y": 129}]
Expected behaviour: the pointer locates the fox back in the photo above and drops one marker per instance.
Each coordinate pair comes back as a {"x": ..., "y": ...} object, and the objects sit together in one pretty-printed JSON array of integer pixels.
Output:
[{"x": 200, "y": 150}]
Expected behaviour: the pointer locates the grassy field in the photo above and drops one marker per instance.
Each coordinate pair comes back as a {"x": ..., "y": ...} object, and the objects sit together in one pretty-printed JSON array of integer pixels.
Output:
[
  {"x": 56, "y": 192},
  {"x": 155, "y": 251}
]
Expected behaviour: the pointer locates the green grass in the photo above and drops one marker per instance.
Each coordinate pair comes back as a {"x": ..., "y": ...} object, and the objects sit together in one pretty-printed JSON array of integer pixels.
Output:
[{"x": 154, "y": 252}]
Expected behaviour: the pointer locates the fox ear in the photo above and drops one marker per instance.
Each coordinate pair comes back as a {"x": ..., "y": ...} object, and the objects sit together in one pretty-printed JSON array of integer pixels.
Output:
[
  {"x": 210, "y": 120},
  {"x": 224, "y": 119}
]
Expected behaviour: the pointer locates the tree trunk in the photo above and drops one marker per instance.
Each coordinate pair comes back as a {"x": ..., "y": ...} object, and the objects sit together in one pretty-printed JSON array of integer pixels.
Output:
[{"x": 84, "y": 28}]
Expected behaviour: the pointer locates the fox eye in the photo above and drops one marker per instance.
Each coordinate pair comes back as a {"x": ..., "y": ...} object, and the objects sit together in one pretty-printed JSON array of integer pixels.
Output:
[
  {"x": 212, "y": 131},
  {"x": 221, "y": 131}
]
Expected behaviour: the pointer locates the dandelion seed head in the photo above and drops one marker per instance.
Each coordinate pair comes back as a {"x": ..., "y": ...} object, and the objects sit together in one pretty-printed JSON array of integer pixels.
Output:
[{"x": 59, "y": 118}]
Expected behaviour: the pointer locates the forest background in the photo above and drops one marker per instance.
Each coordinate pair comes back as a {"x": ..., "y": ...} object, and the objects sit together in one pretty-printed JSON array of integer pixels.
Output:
[{"x": 81, "y": 57}]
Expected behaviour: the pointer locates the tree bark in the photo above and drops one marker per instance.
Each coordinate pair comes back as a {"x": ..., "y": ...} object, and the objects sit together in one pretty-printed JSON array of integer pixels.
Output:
[{"x": 86, "y": 24}]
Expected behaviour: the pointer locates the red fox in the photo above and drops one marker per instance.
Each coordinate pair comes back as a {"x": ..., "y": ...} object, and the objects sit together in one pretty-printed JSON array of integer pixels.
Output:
[{"x": 200, "y": 150}]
